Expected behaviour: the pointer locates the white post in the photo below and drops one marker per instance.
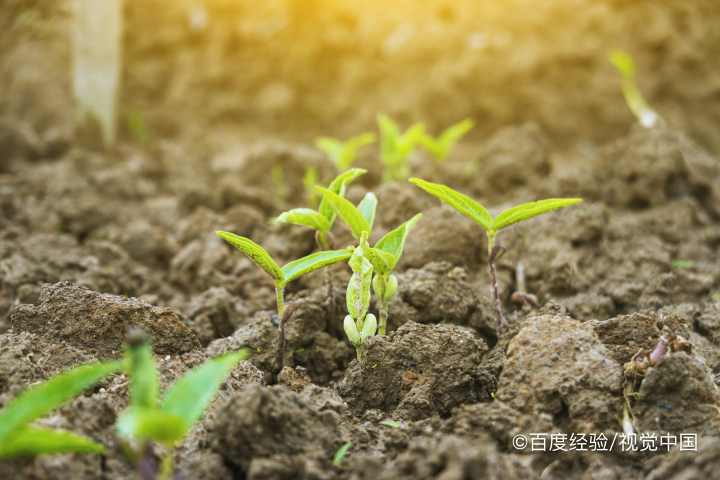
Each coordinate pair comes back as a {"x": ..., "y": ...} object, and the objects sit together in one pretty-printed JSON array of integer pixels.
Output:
[{"x": 96, "y": 67}]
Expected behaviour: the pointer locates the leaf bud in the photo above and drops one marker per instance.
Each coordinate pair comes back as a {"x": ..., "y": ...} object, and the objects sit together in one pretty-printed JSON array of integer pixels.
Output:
[
  {"x": 351, "y": 330},
  {"x": 390, "y": 288},
  {"x": 369, "y": 327}
]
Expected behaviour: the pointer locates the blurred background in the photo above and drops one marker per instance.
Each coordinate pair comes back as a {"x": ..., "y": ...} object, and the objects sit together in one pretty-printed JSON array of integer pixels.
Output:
[{"x": 206, "y": 71}]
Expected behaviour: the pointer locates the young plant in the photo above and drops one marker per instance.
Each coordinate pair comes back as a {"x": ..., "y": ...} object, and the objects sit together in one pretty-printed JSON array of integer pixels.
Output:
[
  {"x": 359, "y": 324},
  {"x": 396, "y": 147},
  {"x": 476, "y": 212},
  {"x": 18, "y": 437},
  {"x": 322, "y": 221},
  {"x": 386, "y": 253},
  {"x": 166, "y": 421},
  {"x": 440, "y": 147},
  {"x": 281, "y": 276},
  {"x": 626, "y": 66},
  {"x": 310, "y": 179},
  {"x": 343, "y": 154}
]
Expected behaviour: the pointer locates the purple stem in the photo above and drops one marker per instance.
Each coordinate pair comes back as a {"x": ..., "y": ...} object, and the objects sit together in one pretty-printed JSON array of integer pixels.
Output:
[
  {"x": 496, "y": 252},
  {"x": 287, "y": 313}
]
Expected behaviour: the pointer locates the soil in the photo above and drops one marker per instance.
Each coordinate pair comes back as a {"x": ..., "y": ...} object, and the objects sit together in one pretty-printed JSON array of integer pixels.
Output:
[{"x": 93, "y": 243}]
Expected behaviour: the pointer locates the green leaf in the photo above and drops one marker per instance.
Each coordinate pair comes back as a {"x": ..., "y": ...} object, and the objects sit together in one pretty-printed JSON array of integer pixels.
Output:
[
  {"x": 452, "y": 134},
  {"x": 340, "y": 454},
  {"x": 39, "y": 441},
  {"x": 338, "y": 187},
  {"x": 390, "y": 423},
  {"x": 190, "y": 395},
  {"x": 37, "y": 401},
  {"x": 347, "y": 213},
  {"x": 306, "y": 218},
  {"x": 465, "y": 205},
  {"x": 313, "y": 262},
  {"x": 256, "y": 254},
  {"x": 332, "y": 147},
  {"x": 382, "y": 262},
  {"x": 144, "y": 385},
  {"x": 529, "y": 210},
  {"x": 151, "y": 424},
  {"x": 623, "y": 62},
  {"x": 394, "y": 241},
  {"x": 367, "y": 207}
]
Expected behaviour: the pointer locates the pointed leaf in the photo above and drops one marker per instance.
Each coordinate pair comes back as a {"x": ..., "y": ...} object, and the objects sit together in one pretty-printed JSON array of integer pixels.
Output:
[
  {"x": 39, "y": 441},
  {"x": 465, "y": 205},
  {"x": 305, "y": 217},
  {"x": 347, "y": 213},
  {"x": 37, "y": 401},
  {"x": 367, "y": 207},
  {"x": 144, "y": 386},
  {"x": 338, "y": 187},
  {"x": 340, "y": 454},
  {"x": 382, "y": 262},
  {"x": 256, "y": 254},
  {"x": 313, "y": 262},
  {"x": 529, "y": 210},
  {"x": 394, "y": 241},
  {"x": 452, "y": 134},
  {"x": 190, "y": 395},
  {"x": 331, "y": 146},
  {"x": 151, "y": 424}
]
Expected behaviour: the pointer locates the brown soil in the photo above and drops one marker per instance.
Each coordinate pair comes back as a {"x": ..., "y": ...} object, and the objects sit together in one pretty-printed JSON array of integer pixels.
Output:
[{"x": 93, "y": 243}]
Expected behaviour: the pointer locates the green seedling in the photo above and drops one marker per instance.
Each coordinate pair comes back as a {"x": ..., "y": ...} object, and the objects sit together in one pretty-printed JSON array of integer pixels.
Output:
[
  {"x": 281, "y": 276},
  {"x": 391, "y": 423},
  {"x": 624, "y": 63},
  {"x": 340, "y": 454},
  {"x": 359, "y": 324},
  {"x": 440, "y": 147},
  {"x": 396, "y": 147},
  {"x": 310, "y": 179},
  {"x": 168, "y": 420},
  {"x": 278, "y": 178},
  {"x": 685, "y": 264},
  {"x": 343, "y": 154},
  {"x": 476, "y": 212},
  {"x": 19, "y": 437},
  {"x": 322, "y": 221},
  {"x": 386, "y": 253}
]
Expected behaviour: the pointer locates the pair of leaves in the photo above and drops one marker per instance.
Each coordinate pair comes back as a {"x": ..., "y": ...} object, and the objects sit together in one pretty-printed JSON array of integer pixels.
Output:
[
  {"x": 291, "y": 271},
  {"x": 396, "y": 147},
  {"x": 440, "y": 147},
  {"x": 343, "y": 154},
  {"x": 183, "y": 403},
  {"x": 360, "y": 219},
  {"x": 18, "y": 438},
  {"x": 476, "y": 212},
  {"x": 322, "y": 219}
]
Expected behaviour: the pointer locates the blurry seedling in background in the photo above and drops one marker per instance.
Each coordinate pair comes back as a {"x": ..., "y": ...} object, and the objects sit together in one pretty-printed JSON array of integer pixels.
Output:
[
  {"x": 340, "y": 454},
  {"x": 343, "y": 154},
  {"x": 276, "y": 171},
  {"x": 626, "y": 66},
  {"x": 396, "y": 147},
  {"x": 635, "y": 369},
  {"x": 358, "y": 325},
  {"x": 281, "y": 276},
  {"x": 386, "y": 253},
  {"x": 310, "y": 179},
  {"x": 137, "y": 126},
  {"x": 18, "y": 437},
  {"x": 183, "y": 404},
  {"x": 440, "y": 147},
  {"x": 520, "y": 296},
  {"x": 322, "y": 221},
  {"x": 476, "y": 212}
]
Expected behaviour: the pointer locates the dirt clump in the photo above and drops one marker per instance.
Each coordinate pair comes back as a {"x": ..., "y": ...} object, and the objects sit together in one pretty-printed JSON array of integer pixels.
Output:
[
  {"x": 294, "y": 379},
  {"x": 98, "y": 323},
  {"x": 418, "y": 371}
]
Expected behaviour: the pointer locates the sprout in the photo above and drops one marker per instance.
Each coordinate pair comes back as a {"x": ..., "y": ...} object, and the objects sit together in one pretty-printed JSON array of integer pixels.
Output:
[
  {"x": 476, "y": 212},
  {"x": 183, "y": 404},
  {"x": 358, "y": 326},
  {"x": 281, "y": 276},
  {"x": 340, "y": 454},
  {"x": 276, "y": 172},
  {"x": 396, "y": 147},
  {"x": 343, "y": 154},
  {"x": 440, "y": 147},
  {"x": 18, "y": 437},
  {"x": 322, "y": 221},
  {"x": 386, "y": 253},
  {"x": 626, "y": 66},
  {"x": 310, "y": 179}
]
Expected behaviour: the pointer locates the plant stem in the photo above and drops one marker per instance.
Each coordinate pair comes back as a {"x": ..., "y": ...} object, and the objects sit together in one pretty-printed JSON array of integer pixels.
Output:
[
  {"x": 495, "y": 252},
  {"x": 280, "y": 304},
  {"x": 287, "y": 313},
  {"x": 326, "y": 243},
  {"x": 383, "y": 317},
  {"x": 167, "y": 466}
]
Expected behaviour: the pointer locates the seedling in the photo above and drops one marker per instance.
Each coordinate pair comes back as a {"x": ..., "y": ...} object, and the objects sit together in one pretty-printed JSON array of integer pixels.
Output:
[
  {"x": 310, "y": 179},
  {"x": 476, "y": 212},
  {"x": 343, "y": 154},
  {"x": 322, "y": 221},
  {"x": 391, "y": 423},
  {"x": 281, "y": 276},
  {"x": 358, "y": 325},
  {"x": 520, "y": 296},
  {"x": 386, "y": 253},
  {"x": 166, "y": 421},
  {"x": 396, "y": 147},
  {"x": 18, "y": 437},
  {"x": 340, "y": 454},
  {"x": 683, "y": 264},
  {"x": 440, "y": 147},
  {"x": 278, "y": 178},
  {"x": 626, "y": 66}
]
